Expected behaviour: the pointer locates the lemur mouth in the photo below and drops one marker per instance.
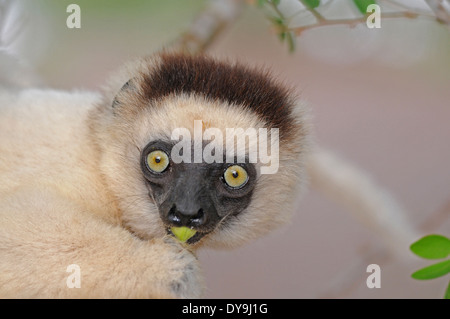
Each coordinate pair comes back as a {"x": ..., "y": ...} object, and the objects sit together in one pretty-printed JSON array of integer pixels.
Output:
[{"x": 186, "y": 235}]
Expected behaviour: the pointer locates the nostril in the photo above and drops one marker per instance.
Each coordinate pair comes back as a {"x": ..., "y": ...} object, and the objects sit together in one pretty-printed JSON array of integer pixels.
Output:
[
  {"x": 174, "y": 216},
  {"x": 199, "y": 218},
  {"x": 181, "y": 218}
]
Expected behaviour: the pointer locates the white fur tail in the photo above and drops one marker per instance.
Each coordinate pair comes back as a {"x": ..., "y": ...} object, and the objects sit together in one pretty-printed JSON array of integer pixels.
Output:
[{"x": 373, "y": 206}]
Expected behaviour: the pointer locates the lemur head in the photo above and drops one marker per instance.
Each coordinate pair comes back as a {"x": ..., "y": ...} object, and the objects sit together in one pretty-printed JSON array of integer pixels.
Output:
[{"x": 207, "y": 148}]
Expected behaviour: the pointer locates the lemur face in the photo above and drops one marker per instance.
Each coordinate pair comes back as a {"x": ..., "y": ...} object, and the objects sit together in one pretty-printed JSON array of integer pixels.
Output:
[
  {"x": 209, "y": 149},
  {"x": 198, "y": 196}
]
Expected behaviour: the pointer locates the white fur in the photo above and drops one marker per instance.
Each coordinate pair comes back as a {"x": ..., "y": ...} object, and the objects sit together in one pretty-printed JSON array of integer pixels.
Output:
[{"x": 56, "y": 209}]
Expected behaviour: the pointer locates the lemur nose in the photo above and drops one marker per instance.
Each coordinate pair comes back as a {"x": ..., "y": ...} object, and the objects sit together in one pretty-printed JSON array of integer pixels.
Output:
[{"x": 190, "y": 218}]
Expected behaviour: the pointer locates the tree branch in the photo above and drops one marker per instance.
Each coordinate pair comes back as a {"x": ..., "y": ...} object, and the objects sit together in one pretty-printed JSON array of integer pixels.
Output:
[
  {"x": 352, "y": 22},
  {"x": 441, "y": 14},
  {"x": 313, "y": 11},
  {"x": 212, "y": 21}
]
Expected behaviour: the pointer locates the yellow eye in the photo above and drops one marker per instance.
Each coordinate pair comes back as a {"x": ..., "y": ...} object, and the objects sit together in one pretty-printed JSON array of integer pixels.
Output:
[
  {"x": 157, "y": 161},
  {"x": 236, "y": 176}
]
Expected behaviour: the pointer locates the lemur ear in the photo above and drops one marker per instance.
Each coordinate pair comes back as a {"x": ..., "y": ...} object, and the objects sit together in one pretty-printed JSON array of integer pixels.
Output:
[{"x": 129, "y": 85}]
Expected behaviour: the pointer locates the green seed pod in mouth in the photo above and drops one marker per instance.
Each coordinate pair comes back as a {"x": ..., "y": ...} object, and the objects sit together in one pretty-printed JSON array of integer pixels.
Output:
[{"x": 183, "y": 233}]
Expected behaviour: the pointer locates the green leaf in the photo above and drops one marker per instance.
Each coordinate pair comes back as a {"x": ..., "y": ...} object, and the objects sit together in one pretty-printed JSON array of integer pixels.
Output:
[
  {"x": 289, "y": 38},
  {"x": 433, "y": 271},
  {"x": 447, "y": 293},
  {"x": 276, "y": 2},
  {"x": 311, "y": 4},
  {"x": 363, "y": 4},
  {"x": 183, "y": 233},
  {"x": 261, "y": 3},
  {"x": 278, "y": 21},
  {"x": 291, "y": 41},
  {"x": 432, "y": 247}
]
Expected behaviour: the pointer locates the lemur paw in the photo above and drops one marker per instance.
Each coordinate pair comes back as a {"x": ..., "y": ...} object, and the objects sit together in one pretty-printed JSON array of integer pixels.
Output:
[{"x": 183, "y": 277}]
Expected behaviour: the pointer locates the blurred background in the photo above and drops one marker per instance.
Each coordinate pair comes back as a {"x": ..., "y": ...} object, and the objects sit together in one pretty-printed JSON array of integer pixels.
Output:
[{"x": 380, "y": 99}]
